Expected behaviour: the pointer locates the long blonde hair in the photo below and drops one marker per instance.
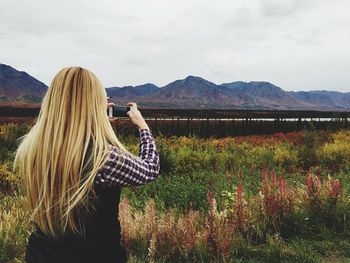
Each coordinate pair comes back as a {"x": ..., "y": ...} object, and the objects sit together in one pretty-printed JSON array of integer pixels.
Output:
[{"x": 50, "y": 157}]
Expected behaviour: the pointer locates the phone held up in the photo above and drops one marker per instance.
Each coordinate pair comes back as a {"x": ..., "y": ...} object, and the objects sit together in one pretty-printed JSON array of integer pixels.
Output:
[{"x": 117, "y": 111}]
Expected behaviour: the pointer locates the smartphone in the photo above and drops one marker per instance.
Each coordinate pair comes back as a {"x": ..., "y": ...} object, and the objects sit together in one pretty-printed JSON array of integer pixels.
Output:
[{"x": 120, "y": 111}]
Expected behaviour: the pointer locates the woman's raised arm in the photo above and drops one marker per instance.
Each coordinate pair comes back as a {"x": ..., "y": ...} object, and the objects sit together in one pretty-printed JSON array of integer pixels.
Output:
[{"x": 122, "y": 169}]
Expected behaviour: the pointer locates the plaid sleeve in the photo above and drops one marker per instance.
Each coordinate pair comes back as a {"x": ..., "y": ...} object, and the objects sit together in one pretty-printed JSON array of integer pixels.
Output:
[{"x": 123, "y": 169}]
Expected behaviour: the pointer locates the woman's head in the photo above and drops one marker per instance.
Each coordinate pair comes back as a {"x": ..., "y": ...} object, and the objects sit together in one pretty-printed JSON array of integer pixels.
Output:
[{"x": 53, "y": 156}]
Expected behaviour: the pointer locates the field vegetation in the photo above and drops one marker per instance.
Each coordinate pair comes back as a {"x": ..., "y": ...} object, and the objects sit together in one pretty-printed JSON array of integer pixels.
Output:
[{"x": 269, "y": 198}]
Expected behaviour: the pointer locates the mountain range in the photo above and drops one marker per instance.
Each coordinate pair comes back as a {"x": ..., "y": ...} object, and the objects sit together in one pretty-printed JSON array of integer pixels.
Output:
[{"x": 18, "y": 87}]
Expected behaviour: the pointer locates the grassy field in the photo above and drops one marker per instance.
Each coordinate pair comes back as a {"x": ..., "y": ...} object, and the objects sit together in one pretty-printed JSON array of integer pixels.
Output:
[{"x": 276, "y": 198}]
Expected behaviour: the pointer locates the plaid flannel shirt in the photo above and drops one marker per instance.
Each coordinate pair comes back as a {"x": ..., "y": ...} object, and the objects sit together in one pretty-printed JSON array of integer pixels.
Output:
[{"x": 122, "y": 169}]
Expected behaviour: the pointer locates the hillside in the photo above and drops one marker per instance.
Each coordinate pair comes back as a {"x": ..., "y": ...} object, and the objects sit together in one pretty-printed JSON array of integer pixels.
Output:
[{"x": 18, "y": 87}]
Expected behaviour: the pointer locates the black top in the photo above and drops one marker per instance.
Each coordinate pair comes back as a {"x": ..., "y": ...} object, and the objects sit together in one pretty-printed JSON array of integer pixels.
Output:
[
  {"x": 102, "y": 241},
  {"x": 101, "y": 244}
]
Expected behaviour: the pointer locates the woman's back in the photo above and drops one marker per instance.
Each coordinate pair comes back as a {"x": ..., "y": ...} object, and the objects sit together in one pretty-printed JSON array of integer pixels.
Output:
[
  {"x": 102, "y": 240},
  {"x": 101, "y": 243}
]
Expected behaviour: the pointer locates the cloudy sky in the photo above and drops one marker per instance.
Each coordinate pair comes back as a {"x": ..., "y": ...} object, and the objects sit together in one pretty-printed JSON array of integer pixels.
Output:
[{"x": 295, "y": 44}]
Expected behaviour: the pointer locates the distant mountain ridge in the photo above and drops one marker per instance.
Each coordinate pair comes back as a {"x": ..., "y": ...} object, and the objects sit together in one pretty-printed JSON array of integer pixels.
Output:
[
  {"x": 261, "y": 94},
  {"x": 131, "y": 92},
  {"x": 329, "y": 99},
  {"x": 191, "y": 92},
  {"x": 19, "y": 86}
]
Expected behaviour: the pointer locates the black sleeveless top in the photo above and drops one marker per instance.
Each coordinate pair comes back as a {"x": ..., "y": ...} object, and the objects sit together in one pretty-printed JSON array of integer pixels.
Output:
[{"x": 101, "y": 243}]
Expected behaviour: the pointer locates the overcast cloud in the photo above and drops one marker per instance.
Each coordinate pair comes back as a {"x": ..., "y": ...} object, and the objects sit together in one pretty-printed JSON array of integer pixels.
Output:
[{"x": 295, "y": 44}]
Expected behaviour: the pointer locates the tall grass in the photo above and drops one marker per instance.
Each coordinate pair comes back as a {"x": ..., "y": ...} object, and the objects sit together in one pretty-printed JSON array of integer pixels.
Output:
[
  {"x": 14, "y": 228},
  {"x": 271, "y": 220}
]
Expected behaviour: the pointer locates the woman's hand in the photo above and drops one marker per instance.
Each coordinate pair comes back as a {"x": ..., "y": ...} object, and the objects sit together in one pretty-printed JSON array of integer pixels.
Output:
[
  {"x": 136, "y": 117},
  {"x": 112, "y": 120},
  {"x": 110, "y": 104}
]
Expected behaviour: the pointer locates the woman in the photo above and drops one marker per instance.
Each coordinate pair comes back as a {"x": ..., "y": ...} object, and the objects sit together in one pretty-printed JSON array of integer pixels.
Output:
[{"x": 73, "y": 168}]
